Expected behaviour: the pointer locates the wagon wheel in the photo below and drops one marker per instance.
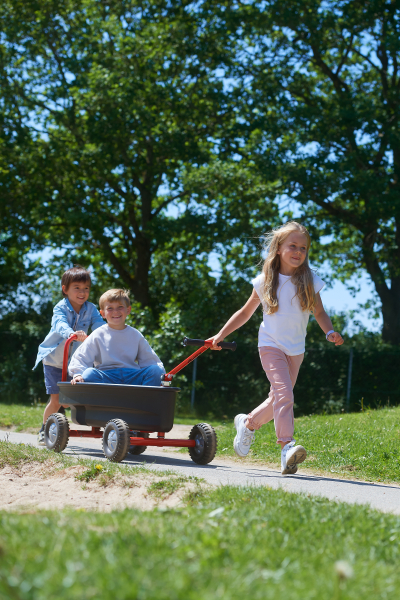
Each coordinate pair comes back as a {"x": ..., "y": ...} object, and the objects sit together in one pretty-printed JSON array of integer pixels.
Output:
[
  {"x": 138, "y": 449},
  {"x": 206, "y": 443},
  {"x": 116, "y": 440},
  {"x": 56, "y": 432}
]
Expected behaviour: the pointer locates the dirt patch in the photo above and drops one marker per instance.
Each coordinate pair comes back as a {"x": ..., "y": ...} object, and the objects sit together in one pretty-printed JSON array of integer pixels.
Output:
[{"x": 42, "y": 486}]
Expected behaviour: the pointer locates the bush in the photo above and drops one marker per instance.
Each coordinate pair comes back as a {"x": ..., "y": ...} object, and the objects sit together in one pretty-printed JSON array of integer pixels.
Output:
[{"x": 21, "y": 333}]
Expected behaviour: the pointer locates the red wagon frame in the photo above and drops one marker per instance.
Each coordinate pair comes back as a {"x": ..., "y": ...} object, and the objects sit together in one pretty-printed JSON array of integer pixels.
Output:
[{"x": 143, "y": 441}]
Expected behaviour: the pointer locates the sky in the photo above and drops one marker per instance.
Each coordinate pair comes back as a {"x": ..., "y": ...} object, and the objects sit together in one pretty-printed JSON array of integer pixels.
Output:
[{"x": 339, "y": 299}]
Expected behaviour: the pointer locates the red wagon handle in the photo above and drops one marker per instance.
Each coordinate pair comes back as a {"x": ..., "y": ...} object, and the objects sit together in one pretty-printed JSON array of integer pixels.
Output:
[
  {"x": 192, "y": 342},
  {"x": 65, "y": 357},
  {"x": 224, "y": 345}
]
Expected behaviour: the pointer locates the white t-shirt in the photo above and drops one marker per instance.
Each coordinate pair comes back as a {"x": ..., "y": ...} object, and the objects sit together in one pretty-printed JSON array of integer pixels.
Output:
[
  {"x": 287, "y": 328},
  {"x": 108, "y": 348}
]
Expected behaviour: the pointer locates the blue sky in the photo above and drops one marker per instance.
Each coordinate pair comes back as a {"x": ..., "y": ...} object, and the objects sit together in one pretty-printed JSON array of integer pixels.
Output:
[{"x": 339, "y": 299}]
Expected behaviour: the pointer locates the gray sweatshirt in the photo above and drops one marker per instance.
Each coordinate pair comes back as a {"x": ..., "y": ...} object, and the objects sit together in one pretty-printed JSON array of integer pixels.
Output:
[{"x": 108, "y": 348}]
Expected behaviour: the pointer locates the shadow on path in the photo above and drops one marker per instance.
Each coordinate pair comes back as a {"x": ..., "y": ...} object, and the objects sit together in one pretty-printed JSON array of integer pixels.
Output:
[{"x": 251, "y": 472}]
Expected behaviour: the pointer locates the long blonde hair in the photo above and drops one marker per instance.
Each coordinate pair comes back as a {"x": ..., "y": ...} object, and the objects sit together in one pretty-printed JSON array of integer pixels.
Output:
[{"x": 302, "y": 277}]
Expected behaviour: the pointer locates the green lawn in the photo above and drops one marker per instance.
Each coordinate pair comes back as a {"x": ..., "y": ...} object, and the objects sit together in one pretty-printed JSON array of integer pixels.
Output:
[
  {"x": 231, "y": 543},
  {"x": 22, "y": 417},
  {"x": 29, "y": 418}
]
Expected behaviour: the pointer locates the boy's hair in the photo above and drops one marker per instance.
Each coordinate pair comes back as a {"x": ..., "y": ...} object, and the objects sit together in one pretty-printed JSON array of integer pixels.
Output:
[
  {"x": 302, "y": 278},
  {"x": 115, "y": 295},
  {"x": 77, "y": 273}
]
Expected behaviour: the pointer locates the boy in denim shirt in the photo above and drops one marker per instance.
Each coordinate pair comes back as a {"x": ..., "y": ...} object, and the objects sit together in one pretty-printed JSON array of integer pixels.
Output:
[{"x": 71, "y": 315}]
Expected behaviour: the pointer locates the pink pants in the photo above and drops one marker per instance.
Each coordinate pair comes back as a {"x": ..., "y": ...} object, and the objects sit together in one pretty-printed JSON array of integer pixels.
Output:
[{"x": 282, "y": 371}]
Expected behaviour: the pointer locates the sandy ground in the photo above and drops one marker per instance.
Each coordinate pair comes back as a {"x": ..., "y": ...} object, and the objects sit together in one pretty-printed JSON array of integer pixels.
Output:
[{"x": 34, "y": 486}]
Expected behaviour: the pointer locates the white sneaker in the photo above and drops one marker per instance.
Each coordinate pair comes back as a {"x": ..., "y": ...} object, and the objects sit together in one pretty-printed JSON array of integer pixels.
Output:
[
  {"x": 40, "y": 438},
  {"x": 244, "y": 437},
  {"x": 291, "y": 456}
]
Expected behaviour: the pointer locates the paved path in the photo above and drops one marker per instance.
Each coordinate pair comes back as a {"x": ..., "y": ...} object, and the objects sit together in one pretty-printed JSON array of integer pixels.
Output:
[{"x": 223, "y": 471}]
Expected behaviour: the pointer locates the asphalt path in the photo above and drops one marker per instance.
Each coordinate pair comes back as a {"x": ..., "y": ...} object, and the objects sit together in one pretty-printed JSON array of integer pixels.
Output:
[{"x": 225, "y": 471}]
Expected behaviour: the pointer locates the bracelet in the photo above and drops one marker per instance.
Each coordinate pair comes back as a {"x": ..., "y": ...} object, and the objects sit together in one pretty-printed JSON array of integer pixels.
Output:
[{"x": 329, "y": 333}]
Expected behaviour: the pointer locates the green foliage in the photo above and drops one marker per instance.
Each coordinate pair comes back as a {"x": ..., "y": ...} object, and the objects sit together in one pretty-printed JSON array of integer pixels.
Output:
[
  {"x": 91, "y": 473},
  {"x": 291, "y": 548},
  {"x": 322, "y": 385},
  {"x": 124, "y": 106},
  {"x": 125, "y": 129},
  {"x": 323, "y": 109},
  {"x": 21, "y": 331}
]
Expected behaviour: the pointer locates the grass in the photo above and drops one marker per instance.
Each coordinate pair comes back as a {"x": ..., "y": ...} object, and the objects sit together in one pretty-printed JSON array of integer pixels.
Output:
[
  {"x": 90, "y": 473},
  {"x": 228, "y": 544},
  {"x": 164, "y": 488},
  {"x": 196, "y": 419},
  {"x": 363, "y": 445},
  {"x": 24, "y": 417},
  {"x": 18, "y": 454}
]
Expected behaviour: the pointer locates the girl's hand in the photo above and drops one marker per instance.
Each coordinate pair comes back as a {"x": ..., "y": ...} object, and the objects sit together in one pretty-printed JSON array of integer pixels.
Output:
[
  {"x": 77, "y": 379},
  {"x": 216, "y": 339},
  {"x": 336, "y": 338},
  {"x": 81, "y": 335}
]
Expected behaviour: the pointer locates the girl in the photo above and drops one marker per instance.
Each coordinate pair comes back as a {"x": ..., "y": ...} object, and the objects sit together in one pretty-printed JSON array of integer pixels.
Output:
[{"x": 288, "y": 291}]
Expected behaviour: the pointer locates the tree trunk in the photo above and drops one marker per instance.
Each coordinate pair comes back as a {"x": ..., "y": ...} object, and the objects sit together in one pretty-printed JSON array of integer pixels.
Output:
[
  {"x": 389, "y": 296},
  {"x": 134, "y": 272},
  {"x": 391, "y": 313},
  {"x": 139, "y": 285}
]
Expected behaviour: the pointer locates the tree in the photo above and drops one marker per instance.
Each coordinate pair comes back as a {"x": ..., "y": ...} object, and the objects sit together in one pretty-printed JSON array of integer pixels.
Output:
[
  {"x": 123, "y": 100},
  {"x": 323, "y": 81}
]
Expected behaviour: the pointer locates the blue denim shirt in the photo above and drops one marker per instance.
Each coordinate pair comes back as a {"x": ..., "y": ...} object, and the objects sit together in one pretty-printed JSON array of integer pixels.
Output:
[{"x": 64, "y": 322}]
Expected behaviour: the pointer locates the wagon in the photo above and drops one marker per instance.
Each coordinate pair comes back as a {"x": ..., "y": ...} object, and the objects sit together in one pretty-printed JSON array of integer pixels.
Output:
[{"x": 123, "y": 416}]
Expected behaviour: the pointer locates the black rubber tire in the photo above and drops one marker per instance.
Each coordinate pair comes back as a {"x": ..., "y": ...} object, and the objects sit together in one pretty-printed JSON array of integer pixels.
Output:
[
  {"x": 56, "y": 432},
  {"x": 116, "y": 448},
  {"x": 206, "y": 443},
  {"x": 135, "y": 450}
]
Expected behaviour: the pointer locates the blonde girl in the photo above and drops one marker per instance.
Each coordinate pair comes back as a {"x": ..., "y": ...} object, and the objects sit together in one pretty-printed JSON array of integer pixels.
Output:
[{"x": 289, "y": 292}]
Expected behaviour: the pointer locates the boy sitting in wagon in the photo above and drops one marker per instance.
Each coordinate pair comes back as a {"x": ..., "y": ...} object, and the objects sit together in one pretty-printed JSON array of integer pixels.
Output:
[{"x": 116, "y": 352}]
